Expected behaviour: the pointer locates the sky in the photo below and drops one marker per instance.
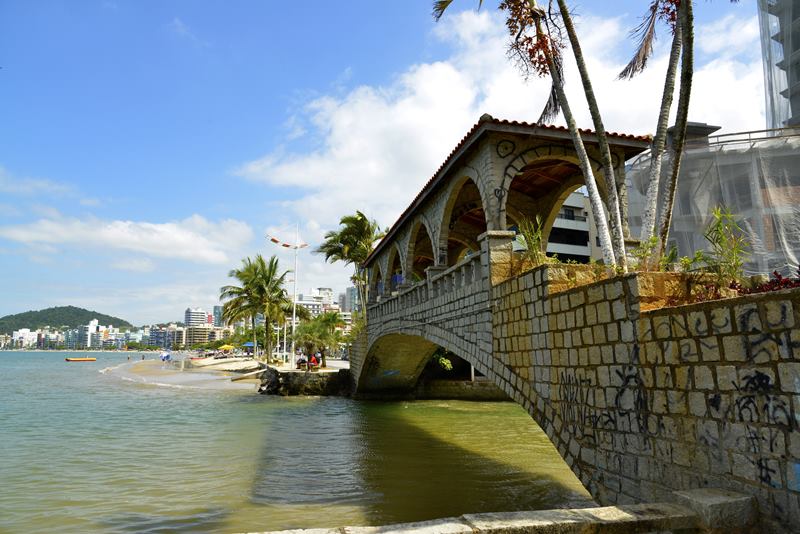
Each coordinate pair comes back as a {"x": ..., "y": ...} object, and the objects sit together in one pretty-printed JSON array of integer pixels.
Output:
[{"x": 147, "y": 146}]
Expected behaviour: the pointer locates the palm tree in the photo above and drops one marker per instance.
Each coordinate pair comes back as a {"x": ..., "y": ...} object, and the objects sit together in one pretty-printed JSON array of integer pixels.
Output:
[
  {"x": 539, "y": 53},
  {"x": 242, "y": 301},
  {"x": 646, "y": 32},
  {"x": 329, "y": 323},
  {"x": 274, "y": 301},
  {"x": 352, "y": 243},
  {"x": 616, "y": 200},
  {"x": 261, "y": 292},
  {"x": 686, "y": 28}
]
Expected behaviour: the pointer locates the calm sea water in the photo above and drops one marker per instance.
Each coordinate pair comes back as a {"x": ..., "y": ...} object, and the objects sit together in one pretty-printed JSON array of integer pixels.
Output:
[{"x": 108, "y": 446}]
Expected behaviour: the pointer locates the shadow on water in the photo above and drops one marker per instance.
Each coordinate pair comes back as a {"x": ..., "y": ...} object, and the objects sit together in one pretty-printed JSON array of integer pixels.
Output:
[
  {"x": 209, "y": 520},
  {"x": 383, "y": 459}
]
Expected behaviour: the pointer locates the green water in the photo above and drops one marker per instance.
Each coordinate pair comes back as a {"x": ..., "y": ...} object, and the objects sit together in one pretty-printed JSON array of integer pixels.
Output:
[{"x": 93, "y": 447}]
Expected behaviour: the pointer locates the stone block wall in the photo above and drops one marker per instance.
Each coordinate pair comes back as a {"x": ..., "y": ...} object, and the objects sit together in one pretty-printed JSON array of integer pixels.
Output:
[{"x": 641, "y": 403}]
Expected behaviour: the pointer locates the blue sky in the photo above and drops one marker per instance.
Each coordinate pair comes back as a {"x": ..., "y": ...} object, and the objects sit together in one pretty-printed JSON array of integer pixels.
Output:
[{"x": 147, "y": 146}]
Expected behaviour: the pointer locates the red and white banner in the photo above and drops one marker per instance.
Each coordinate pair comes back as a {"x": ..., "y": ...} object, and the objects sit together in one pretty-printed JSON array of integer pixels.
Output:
[{"x": 286, "y": 245}]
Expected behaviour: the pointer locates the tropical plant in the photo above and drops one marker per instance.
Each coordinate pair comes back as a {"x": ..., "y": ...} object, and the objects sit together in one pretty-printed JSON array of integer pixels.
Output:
[
  {"x": 352, "y": 244},
  {"x": 274, "y": 300},
  {"x": 329, "y": 325},
  {"x": 321, "y": 333},
  {"x": 261, "y": 292},
  {"x": 679, "y": 15},
  {"x": 242, "y": 302},
  {"x": 530, "y": 237},
  {"x": 536, "y": 49},
  {"x": 728, "y": 246}
]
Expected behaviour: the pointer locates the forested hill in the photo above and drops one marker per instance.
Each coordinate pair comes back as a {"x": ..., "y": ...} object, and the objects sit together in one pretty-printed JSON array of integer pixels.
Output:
[{"x": 60, "y": 316}]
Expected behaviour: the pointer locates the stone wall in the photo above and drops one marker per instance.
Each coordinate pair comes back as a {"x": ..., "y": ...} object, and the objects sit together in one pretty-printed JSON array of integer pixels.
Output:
[
  {"x": 643, "y": 403},
  {"x": 640, "y": 401},
  {"x": 477, "y": 390}
]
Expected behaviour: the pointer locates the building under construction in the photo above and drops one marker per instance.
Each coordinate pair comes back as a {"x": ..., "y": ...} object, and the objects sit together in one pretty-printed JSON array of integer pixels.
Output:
[{"x": 754, "y": 174}]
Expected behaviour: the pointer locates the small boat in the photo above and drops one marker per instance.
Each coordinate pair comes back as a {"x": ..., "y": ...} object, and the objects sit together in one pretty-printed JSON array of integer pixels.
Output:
[{"x": 84, "y": 359}]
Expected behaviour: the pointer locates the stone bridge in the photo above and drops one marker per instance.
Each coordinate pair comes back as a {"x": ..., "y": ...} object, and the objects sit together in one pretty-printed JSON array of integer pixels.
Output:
[{"x": 641, "y": 392}]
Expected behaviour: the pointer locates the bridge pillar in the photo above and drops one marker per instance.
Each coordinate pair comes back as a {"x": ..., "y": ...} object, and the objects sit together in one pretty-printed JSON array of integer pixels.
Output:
[
  {"x": 432, "y": 272},
  {"x": 497, "y": 254}
]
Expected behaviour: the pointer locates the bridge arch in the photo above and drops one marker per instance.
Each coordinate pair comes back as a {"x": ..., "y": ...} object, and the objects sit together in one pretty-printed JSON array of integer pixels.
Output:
[
  {"x": 421, "y": 252},
  {"x": 376, "y": 279},
  {"x": 396, "y": 274},
  {"x": 463, "y": 220},
  {"x": 395, "y": 360}
]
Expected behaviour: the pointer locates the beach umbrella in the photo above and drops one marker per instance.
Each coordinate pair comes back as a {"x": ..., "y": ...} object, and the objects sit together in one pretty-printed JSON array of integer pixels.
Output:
[
  {"x": 248, "y": 344},
  {"x": 227, "y": 347}
]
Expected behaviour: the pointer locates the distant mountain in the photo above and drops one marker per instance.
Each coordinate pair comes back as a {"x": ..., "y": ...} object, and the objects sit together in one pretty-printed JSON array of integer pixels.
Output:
[{"x": 60, "y": 316}]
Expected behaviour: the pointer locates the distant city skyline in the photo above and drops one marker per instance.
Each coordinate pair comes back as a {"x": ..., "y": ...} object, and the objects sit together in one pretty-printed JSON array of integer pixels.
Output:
[{"x": 152, "y": 146}]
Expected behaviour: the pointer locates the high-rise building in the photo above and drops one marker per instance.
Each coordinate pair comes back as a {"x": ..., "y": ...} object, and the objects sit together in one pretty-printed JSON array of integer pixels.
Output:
[
  {"x": 780, "y": 50},
  {"x": 195, "y": 317},
  {"x": 351, "y": 299},
  {"x": 325, "y": 294},
  {"x": 218, "y": 316}
]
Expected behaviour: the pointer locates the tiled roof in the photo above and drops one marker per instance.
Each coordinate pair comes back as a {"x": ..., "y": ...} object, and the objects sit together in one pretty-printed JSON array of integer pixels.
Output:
[{"x": 484, "y": 120}]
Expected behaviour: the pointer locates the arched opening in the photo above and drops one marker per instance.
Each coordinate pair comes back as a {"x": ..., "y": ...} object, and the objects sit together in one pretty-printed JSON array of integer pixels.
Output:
[
  {"x": 395, "y": 270},
  {"x": 550, "y": 193},
  {"x": 376, "y": 282},
  {"x": 420, "y": 252},
  {"x": 464, "y": 221}
]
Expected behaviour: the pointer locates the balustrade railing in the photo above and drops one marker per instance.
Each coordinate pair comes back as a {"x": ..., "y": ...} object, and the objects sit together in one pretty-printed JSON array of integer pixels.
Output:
[{"x": 465, "y": 273}]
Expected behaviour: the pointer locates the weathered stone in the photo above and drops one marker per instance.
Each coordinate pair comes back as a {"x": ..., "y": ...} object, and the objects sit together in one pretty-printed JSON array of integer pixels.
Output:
[
  {"x": 720, "y": 510},
  {"x": 789, "y": 374}
]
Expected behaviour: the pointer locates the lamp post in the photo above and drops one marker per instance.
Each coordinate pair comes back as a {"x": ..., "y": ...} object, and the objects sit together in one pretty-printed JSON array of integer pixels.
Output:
[{"x": 296, "y": 246}]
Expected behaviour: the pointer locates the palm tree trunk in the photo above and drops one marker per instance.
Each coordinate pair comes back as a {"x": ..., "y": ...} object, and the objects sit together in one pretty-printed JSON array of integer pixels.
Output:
[
  {"x": 268, "y": 337},
  {"x": 686, "y": 27},
  {"x": 586, "y": 167},
  {"x": 613, "y": 188},
  {"x": 255, "y": 339},
  {"x": 657, "y": 149}
]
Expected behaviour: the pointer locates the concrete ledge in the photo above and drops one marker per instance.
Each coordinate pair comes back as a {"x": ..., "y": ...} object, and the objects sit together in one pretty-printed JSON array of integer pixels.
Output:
[
  {"x": 720, "y": 510},
  {"x": 609, "y": 519}
]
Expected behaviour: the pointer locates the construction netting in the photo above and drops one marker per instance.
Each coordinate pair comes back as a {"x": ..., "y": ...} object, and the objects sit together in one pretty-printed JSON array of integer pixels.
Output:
[
  {"x": 780, "y": 44},
  {"x": 756, "y": 175}
]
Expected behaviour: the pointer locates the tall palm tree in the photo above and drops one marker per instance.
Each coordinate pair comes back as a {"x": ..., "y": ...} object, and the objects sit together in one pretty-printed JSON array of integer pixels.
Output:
[
  {"x": 539, "y": 53},
  {"x": 274, "y": 301},
  {"x": 242, "y": 302},
  {"x": 616, "y": 199},
  {"x": 686, "y": 27},
  {"x": 261, "y": 292},
  {"x": 647, "y": 33},
  {"x": 352, "y": 243}
]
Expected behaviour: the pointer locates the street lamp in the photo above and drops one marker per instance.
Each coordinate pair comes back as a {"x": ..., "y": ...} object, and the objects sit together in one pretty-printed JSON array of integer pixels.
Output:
[{"x": 296, "y": 246}]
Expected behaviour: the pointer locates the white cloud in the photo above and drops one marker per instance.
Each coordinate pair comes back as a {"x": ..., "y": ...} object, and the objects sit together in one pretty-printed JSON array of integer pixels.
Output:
[
  {"x": 181, "y": 29},
  {"x": 381, "y": 144},
  {"x": 194, "y": 239},
  {"x": 17, "y": 185},
  {"x": 729, "y": 36},
  {"x": 136, "y": 265}
]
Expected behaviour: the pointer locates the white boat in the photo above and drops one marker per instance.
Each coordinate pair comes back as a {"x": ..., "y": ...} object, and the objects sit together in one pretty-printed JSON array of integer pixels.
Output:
[
  {"x": 238, "y": 367},
  {"x": 205, "y": 362}
]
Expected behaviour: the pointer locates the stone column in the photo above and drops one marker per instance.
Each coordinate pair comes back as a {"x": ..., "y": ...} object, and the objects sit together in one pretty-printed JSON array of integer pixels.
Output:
[
  {"x": 430, "y": 273},
  {"x": 497, "y": 254}
]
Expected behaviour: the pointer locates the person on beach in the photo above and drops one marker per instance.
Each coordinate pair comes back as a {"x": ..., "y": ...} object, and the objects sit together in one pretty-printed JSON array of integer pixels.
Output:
[{"x": 313, "y": 362}]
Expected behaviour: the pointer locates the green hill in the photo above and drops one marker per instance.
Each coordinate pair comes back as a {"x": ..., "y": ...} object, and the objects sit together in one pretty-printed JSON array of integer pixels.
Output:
[{"x": 60, "y": 316}]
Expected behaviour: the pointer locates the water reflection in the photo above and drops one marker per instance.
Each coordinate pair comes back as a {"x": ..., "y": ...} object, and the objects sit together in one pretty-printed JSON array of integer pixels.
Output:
[{"x": 398, "y": 462}]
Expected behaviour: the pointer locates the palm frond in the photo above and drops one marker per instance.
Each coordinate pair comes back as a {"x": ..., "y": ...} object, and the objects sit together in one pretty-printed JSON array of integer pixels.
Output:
[
  {"x": 553, "y": 105},
  {"x": 439, "y": 7},
  {"x": 646, "y": 32}
]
